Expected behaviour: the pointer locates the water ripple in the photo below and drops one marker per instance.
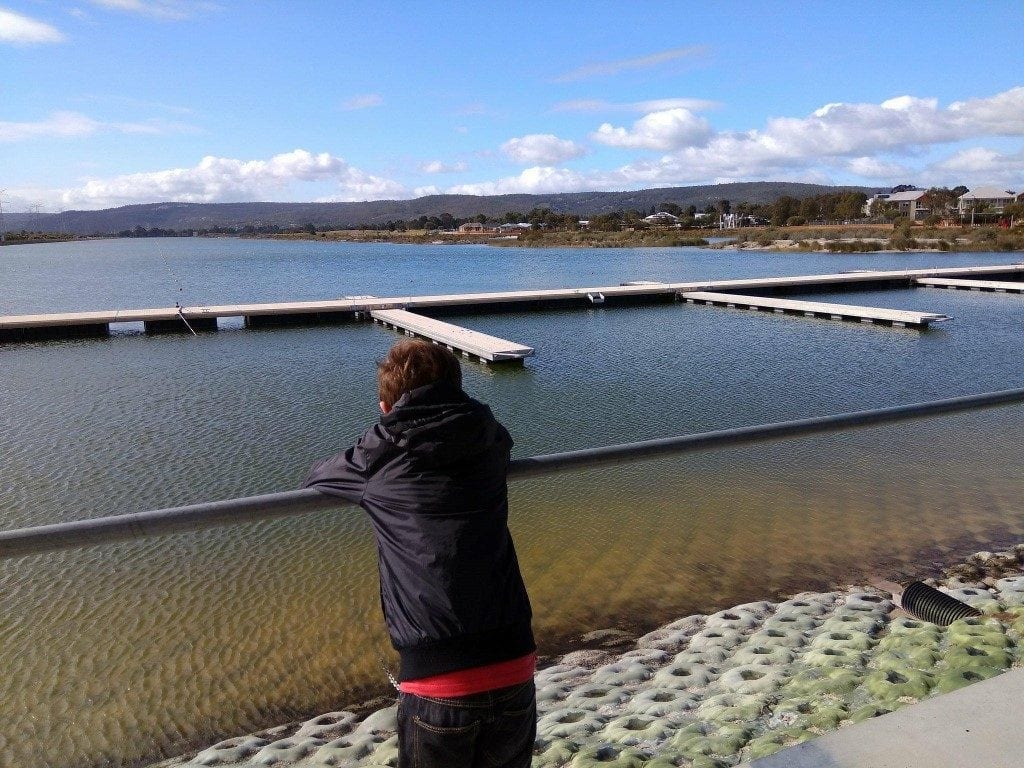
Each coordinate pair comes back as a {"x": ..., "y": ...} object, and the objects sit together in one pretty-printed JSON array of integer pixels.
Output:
[{"x": 140, "y": 649}]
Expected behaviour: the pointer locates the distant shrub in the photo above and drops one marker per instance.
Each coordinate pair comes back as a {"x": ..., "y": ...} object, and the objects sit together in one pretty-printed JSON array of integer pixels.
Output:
[
  {"x": 1010, "y": 243},
  {"x": 851, "y": 246},
  {"x": 795, "y": 221},
  {"x": 900, "y": 242},
  {"x": 686, "y": 241}
]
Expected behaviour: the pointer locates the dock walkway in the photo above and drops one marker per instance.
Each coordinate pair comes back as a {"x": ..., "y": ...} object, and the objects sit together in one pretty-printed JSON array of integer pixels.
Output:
[
  {"x": 895, "y": 317},
  {"x": 488, "y": 349},
  {"x": 180, "y": 319},
  {"x": 991, "y": 286}
]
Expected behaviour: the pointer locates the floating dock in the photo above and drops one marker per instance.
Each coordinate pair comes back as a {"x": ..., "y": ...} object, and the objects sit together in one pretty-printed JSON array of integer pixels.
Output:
[
  {"x": 352, "y": 309},
  {"x": 487, "y": 349},
  {"x": 990, "y": 286},
  {"x": 897, "y": 318}
]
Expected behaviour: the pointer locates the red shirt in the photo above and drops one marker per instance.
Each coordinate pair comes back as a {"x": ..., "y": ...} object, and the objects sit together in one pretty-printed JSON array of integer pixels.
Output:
[{"x": 465, "y": 682}]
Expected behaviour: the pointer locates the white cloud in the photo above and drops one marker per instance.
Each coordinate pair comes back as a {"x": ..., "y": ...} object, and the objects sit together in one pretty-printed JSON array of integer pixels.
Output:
[
  {"x": 607, "y": 68},
  {"x": 57, "y": 125},
  {"x": 652, "y": 105},
  {"x": 871, "y": 141},
  {"x": 130, "y": 102},
  {"x": 665, "y": 130},
  {"x": 850, "y": 137},
  {"x": 430, "y": 189},
  {"x": 436, "y": 166},
  {"x": 154, "y": 127},
  {"x": 973, "y": 160},
  {"x": 23, "y": 30},
  {"x": 979, "y": 166},
  {"x": 1002, "y": 114},
  {"x": 170, "y": 10},
  {"x": 532, "y": 180},
  {"x": 900, "y": 123},
  {"x": 865, "y": 140},
  {"x": 542, "y": 148},
  {"x": 363, "y": 101},
  {"x": 875, "y": 168},
  {"x": 66, "y": 125},
  {"x": 221, "y": 179}
]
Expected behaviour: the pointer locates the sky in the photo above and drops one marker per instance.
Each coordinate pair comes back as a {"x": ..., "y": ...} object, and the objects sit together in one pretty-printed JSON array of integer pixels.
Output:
[{"x": 112, "y": 102}]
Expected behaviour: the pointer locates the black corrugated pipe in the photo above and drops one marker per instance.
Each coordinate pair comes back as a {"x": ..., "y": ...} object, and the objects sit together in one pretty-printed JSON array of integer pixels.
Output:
[{"x": 930, "y": 604}]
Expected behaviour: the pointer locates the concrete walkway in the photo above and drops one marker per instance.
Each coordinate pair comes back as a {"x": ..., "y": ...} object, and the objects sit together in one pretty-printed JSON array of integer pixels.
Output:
[{"x": 981, "y": 726}]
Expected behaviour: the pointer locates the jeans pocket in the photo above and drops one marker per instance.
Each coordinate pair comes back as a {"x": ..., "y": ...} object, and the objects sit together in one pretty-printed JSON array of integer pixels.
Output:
[
  {"x": 519, "y": 697},
  {"x": 436, "y": 746},
  {"x": 508, "y": 741}
]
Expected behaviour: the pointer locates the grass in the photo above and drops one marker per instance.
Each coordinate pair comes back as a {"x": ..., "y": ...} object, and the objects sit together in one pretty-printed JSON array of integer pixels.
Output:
[{"x": 853, "y": 238}]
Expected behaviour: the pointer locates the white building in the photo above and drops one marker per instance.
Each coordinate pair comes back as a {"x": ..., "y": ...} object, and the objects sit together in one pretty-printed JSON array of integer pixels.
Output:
[
  {"x": 908, "y": 204},
  {"x": 512, "y": 228},
  {"x": 662, "y": 219},
  {"x": 729, "y": 221},
  {"x": 985, "y": 200}
]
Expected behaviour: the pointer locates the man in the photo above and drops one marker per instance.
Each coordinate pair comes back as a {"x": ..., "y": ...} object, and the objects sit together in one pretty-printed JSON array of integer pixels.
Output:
[{"x": 432, "y": 477}]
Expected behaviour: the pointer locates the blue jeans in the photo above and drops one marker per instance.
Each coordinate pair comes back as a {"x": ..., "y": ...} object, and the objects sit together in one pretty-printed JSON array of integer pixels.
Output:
[{"x": 495, "y": 729}]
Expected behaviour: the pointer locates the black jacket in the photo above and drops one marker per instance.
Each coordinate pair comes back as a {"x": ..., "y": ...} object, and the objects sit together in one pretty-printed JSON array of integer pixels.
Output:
[{"x": 431, "y": 475}]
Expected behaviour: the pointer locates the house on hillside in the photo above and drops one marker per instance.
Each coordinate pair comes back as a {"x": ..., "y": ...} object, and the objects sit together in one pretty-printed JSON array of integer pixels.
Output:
[
  {"x": 985, "y": 200},
  {"x": 661, "y": 219},
  {"x": 907, "y": 204},
  {"x": 512, "y": 229},
  {"x": 475, "y": 228}
]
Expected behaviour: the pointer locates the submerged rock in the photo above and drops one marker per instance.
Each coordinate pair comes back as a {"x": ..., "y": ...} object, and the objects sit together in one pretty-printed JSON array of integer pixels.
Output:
[{"x": 711, "y": 691}]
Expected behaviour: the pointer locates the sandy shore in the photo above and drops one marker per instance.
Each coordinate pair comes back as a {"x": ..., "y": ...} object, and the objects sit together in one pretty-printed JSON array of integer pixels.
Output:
[
  {"x": 715, "y": 690},
  {"x": 822, "y": 245}
]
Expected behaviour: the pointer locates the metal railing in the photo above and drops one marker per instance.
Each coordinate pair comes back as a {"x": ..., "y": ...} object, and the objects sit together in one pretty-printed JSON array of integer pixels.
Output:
[{"x": 194, "y": 517}]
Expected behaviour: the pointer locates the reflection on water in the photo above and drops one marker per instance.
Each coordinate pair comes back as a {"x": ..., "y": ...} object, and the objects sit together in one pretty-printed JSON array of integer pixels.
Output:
[
  {"x": 117, "y": 653},
  {"x": 150, "y": 647}
]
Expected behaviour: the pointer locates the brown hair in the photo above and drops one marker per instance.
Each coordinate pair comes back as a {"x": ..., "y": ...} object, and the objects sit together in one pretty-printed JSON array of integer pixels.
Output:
[{"x": 413, "y": 363}]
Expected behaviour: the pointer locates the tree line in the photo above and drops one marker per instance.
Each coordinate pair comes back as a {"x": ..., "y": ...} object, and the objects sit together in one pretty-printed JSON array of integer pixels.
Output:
[{"x": 826, "y": 208}]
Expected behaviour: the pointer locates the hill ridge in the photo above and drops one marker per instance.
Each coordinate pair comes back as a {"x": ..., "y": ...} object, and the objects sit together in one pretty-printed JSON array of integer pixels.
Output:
[{"x": 194, "y": 216}]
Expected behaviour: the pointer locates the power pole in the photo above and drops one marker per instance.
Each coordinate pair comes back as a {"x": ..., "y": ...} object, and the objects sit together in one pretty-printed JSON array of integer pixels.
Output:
[
  {"x": 2, "y": 237},
  {"x": 36, "y": 209}
]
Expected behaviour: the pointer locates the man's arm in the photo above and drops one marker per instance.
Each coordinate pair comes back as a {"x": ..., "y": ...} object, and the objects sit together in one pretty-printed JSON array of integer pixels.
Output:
[{"x": 345, "y": 474}]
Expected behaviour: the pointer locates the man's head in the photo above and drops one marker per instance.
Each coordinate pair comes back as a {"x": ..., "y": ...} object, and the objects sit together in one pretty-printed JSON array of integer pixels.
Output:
[{"x": 411, "y": 364}]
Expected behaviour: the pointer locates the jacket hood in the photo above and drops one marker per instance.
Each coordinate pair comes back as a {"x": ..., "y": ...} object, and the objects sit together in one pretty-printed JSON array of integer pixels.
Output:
[{"x": 443, "y": 423}]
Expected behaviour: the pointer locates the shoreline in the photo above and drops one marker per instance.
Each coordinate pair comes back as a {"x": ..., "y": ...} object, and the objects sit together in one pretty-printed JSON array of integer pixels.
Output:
[
  {"x": 866, "y": 238},
  {"x": 837, "y": 239},
  {"x": 712, "y": 689}
]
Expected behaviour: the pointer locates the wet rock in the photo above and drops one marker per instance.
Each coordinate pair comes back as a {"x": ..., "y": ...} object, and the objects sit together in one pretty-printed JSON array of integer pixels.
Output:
[
  {"x": 586, "y": 659},
  {"x": 609, "y": 639},
  {"x": 372, "y": 705},
  {"x": 710, "y": 691}
]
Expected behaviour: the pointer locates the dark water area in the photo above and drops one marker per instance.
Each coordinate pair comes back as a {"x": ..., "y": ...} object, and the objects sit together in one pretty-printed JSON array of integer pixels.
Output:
[{"x": 130, "y": 651}]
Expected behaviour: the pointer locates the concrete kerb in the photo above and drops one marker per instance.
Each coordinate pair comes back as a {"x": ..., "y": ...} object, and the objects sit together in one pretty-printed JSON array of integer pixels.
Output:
[{"x": 979, "y": 725}]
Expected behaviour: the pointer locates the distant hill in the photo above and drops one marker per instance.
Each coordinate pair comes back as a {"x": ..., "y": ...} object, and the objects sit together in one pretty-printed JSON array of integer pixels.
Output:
[{"x": 186, "y": 216}]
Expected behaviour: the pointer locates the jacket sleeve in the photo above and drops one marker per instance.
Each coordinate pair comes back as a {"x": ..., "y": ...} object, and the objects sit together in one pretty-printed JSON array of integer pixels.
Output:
[{"x": 345, "y": 474}]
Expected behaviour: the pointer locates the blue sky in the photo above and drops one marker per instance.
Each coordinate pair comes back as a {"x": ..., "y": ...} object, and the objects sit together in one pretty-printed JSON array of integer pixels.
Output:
[{"x": 111, "y": 102}]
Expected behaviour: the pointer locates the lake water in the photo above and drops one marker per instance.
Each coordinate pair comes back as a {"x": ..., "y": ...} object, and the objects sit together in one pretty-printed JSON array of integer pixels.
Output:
[{"x": 132, "y": 651}]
